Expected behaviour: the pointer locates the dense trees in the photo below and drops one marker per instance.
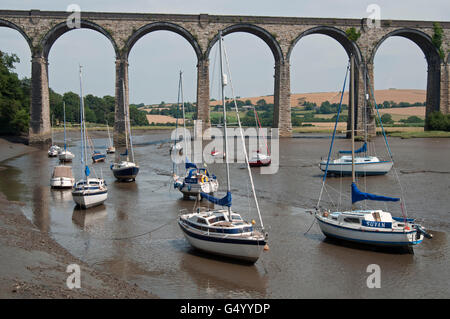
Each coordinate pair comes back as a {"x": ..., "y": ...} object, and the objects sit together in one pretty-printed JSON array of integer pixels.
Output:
[
  {"x": 14, "y": 97},
  {"x": 15, "y": 103},
  {"x": 438, "y": 121}
]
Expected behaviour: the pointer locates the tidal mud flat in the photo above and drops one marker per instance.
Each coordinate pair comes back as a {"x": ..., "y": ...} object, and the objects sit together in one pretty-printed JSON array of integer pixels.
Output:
[
  {"x": 135, "y": 239},
  {"x": 33, "y": 265}
]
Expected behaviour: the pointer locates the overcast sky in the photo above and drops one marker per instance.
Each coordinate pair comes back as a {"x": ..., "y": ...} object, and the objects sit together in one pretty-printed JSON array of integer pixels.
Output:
[{"x": 317, "y": 63}]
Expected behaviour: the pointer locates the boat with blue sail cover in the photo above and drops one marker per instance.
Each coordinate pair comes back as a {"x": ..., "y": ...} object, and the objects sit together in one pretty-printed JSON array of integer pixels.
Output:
[
  {"x": 364, "y": 165},
  {"x": 98, "y": 157},
  {"x": 370, "y": 226},
  {"x": 223, "y": 231},
  {"x": 195, "y": 179},
  {"x": 88, "y": 191}
]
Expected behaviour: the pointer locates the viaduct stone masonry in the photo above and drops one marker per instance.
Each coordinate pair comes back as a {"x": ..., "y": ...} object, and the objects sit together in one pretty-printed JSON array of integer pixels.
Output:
[{"x": 281, "y": 34}]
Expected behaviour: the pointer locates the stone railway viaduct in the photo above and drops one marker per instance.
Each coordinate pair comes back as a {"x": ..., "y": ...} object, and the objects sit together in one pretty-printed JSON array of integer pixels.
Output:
[{"x": 42, "y": 28}]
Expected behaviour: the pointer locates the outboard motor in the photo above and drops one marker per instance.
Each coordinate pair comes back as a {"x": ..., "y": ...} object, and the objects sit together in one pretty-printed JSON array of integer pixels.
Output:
[{"x": 421, "y": 230}]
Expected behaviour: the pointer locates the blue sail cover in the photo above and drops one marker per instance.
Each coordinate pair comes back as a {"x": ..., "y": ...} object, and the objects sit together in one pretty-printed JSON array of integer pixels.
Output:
[
  {"x": 87, "y": 171},
  {"x": 362, "y": 149},
  {"x": 126, "y": 153},
  {"x": 357, "y": 196},
  {"x": 226, "y": 201},
  {"x": 189, "y": 164}
]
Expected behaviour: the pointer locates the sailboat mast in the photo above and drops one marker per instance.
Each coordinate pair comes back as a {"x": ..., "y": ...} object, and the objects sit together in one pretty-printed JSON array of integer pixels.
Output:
[
  {"x": 109, "y": 136},
  {"x": 257, "y": 130},
  {"x": 64, "y": 110},
  {"x": 126, "y": 119},
  {"x": 184, "y": 115},
  {"x": 224, "y": 118},
  {"x": 352, "y": 108},
  {"x": 82, "y": 129},
  {"x": 51, "y": 129}
]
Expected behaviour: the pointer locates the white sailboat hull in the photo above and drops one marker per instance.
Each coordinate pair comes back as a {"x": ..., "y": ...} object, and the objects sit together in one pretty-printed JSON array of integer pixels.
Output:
[
  {"x": 88, "y": 200},
  {"x": 370, "y": 168},
  {"x": 231, "y": 246},
  {"x": 62, "y": 182},
  {"x": 195, "y": 189},
  {"x": 66, "y": 156},
  {"x": 369, "y": 236}
]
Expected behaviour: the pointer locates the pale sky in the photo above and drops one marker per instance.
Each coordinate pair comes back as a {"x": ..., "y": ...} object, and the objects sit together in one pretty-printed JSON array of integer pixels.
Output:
[{"x": 318, "y": 62}]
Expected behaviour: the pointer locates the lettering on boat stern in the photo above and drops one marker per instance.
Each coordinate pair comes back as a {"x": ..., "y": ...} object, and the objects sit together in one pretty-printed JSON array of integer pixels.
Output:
[{"x": 229, "y": 308}]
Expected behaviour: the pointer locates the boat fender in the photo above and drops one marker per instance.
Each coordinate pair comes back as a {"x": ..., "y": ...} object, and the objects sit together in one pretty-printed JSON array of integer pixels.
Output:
[
  {"x": 111, "y": 167},
  {"x": 204, "y": 179}
]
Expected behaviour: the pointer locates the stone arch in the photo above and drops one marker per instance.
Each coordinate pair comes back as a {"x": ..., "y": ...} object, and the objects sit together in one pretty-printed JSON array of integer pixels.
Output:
[
  {"x": 420, "y": 38},
  {"x": 352, "y": 49},
  {"x": 340, "y": 36},
  {"x": 52, "y": 35},
  {"x": 261, "y": 33},
  {"x": 8, "y": 24},
  {"x": 423, "y": 41},
  {"x": 162, "y": 26}
]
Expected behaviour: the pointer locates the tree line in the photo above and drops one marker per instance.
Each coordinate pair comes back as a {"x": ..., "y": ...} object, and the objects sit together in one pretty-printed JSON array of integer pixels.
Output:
[{"x": 15, "y": 95}]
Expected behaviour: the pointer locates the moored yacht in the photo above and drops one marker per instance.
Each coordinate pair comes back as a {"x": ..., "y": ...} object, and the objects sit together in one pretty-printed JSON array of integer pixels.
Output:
[
  {"x": 90, "y": 192},
  {"x": 125, "y": 170},
  {"x": 214, "y": 232}
]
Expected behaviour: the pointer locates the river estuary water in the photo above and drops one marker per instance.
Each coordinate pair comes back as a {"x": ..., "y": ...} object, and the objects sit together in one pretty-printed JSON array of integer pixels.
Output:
[{"x": 135, "y": 235}]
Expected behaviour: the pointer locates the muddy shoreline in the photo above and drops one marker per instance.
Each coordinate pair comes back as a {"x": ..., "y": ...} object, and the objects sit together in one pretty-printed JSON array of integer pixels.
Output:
[{"x": 33, "y": 265}]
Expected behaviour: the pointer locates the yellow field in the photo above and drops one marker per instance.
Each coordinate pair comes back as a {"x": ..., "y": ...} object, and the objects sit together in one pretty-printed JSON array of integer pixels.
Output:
[
  {"x": 396, "y": 95},
  {"x": 162, "y": 119}
]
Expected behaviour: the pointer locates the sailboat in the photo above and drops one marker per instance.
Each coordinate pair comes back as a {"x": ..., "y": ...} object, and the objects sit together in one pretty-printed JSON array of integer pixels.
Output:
[
  {"x": 222, "y": 231},
  {"x": 126, "y": 170},
  {"x": 54, "y": 149},
  {"x": 89, "y": 191},
  {"x": 370, "y": 226},
  {"x": 259, "y": 159},
  {"x": 111, "y": 149},
  {"x": 196, "y": 179},
  {"x": 65, "y": 155},
  {"x": 365, "y": 164}
]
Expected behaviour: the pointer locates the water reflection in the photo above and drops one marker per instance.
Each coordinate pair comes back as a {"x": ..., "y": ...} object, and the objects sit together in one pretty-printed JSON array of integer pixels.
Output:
[
  {"x": 41, "y": 216},
  {"x": 61, "y": 195},
  {"x": 215, "y": 274},
  {"x": 85, "y": 218}
]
